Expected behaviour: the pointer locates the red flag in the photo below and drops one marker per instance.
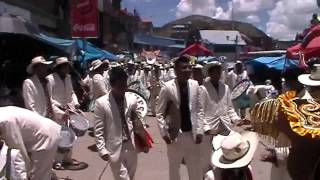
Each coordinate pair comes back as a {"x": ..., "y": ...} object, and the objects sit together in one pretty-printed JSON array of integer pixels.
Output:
[{"x": 84, "y": 14}]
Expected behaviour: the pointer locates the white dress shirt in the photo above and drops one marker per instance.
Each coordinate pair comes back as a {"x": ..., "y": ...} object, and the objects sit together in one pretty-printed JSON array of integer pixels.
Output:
[
  {"x": 62, "y": 94},
  {"x": 34, "y": 96},
  {"x": 218, "y": 108}
]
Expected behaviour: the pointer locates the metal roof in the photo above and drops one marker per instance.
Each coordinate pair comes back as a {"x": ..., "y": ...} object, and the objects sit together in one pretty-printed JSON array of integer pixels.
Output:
[
  {"x": 159, "y": 41},
  {"x": 222, "y": 37}
]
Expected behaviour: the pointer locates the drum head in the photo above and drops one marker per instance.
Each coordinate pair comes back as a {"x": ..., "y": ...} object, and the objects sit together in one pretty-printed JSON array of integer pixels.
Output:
[
  {"x": 68, "y": 138},
  {"x": 142, "y": 103},
  {"x": 79, "y": 122},
  {"x": 240, "y": 89}
]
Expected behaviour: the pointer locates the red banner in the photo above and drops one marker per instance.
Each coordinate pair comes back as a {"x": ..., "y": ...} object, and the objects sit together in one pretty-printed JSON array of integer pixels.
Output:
[{"x": 84, "y": 14}]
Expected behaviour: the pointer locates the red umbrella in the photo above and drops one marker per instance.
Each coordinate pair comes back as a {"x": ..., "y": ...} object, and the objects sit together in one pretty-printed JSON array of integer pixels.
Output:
[
  {"x": 196, "y": 50},
  {"x": 309, "y": 48}
]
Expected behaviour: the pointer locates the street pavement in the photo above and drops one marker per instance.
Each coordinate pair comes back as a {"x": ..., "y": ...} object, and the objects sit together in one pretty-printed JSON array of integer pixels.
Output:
[{"x": 151, "y": 166}]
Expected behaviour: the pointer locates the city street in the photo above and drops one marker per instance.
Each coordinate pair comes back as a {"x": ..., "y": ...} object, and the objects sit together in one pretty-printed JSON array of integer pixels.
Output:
[{"x": 151, "y": 166}]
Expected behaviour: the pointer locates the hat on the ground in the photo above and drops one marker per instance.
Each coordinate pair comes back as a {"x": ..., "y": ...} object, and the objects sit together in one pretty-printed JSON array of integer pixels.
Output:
[
  {"x": 236, "y": 150},
  {"x": 209, "y": 65},
  {"x": 312, "y": 79},
  {"x": 61, "y": 60},
  {"x": 96, "y": 64},
  {"x": 37, "y": 60}
]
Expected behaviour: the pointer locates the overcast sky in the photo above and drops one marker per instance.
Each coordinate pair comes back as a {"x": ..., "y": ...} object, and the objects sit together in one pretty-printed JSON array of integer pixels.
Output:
[{"x": 281, "y": 19}]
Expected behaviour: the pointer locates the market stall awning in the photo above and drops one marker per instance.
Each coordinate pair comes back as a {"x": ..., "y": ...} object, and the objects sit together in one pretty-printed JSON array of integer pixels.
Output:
[
  {"x": 82, "y": 48},
  {"x": 277, "y": 63}
]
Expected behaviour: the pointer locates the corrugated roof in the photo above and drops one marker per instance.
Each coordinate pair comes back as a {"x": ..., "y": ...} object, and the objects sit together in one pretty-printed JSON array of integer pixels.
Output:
[
  {"x": 222, "y": 37},
  {"x": 159, "y": 41}
]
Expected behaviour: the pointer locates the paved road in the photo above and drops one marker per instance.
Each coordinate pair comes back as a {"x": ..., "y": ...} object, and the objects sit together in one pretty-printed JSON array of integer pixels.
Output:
[{"x": 151, "y": 166}]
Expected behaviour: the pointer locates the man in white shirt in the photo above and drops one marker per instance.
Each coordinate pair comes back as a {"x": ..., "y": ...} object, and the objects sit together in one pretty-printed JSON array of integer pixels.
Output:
[
  {"x": 117, "y": 115},
  {"x": 219, "y": 113},
  {"x": 63, "y": 97},
  {"x": 35, "y": 93},
  {"x": 35, "y": 136},
  {"x": 156, "y": 81},
  {"x": 234, "y": 77},
  {"x": 98, "y": 82},
  {"x": 179, "y": 115}
]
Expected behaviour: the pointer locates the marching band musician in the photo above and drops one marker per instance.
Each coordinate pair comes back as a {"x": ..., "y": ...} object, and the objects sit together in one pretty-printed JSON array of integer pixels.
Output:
[
  {"x": 98, "y": 82},
  {"x": 156, "y": 81},
  {"x": 114, "y": 126},
  {"x": 219, "y": 113},
  {"x": 179, "y": 115},
  {"x": 35, "y": 93},
  {"x": 63, "y": 97},
  {"x": 233, "y": 78},
  {"x": 35, "y": 136}
]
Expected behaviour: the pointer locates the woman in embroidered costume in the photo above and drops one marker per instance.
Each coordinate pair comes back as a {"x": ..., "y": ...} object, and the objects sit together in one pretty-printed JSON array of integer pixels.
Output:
[{"x": 295, "y": 114}]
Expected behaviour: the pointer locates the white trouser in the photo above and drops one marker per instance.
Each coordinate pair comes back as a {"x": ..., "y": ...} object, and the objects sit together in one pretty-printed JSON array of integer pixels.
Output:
[
  {"x": 185, "y": 148},
  {"x": 126, "y": 166},
  {"x": 42, "y": 164}
]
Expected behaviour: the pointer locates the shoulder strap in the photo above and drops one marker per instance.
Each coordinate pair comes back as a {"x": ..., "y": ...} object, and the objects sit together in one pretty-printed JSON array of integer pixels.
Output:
[{"x": 8, "y": 164}]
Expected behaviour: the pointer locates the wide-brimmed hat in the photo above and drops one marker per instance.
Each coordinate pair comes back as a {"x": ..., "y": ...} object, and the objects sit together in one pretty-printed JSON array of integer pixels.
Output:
[
  {"x": 95, "y": 64},
  {"x": 312, "y": 79},
  {"x": 236, "y": 150},
  {"x": 37, "y": 60},
  {"x": 197, "y": 66},
  {"x": 61, "y": 60},
  {"x": 209, "y": 65}
]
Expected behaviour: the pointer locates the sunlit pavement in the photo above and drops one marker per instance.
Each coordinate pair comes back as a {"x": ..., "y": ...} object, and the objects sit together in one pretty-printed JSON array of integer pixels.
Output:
[{"x": 151, "y": 166}]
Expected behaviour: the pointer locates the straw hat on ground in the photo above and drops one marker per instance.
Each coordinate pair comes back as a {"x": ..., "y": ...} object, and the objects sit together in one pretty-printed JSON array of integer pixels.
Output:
[
  {"x": 236, "y": 150},
  {"x": 37, "y": 60}
]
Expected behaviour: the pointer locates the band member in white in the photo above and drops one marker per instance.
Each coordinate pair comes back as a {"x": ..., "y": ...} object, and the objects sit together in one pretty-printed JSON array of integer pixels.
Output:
[
  {"x": 218, "y": 109},
  {"x": 35, "y": 93},
  {"x": 60, "y": 89},
  {"x": 12, "y": 165},
  {"x": 114, "y": 127},
  {"x": 98, "y": 82},
  {"x": 63, "y": 97},
  {"x": 156, "y": 81},
  {"x": 35, "y": 136},
  {"x": 179, "y": 115}
]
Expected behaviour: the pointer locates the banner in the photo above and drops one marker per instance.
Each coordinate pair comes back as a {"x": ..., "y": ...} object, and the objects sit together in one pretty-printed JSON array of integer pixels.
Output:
[{"x": 84, "y": 22}]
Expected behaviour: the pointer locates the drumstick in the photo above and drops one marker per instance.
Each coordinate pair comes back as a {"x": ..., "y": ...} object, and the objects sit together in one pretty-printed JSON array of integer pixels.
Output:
[{"x": 103, "y": 170}]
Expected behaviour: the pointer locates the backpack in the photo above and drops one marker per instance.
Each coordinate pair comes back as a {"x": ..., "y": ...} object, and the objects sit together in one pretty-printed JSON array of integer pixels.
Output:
[{"x": 6, "y": 171}]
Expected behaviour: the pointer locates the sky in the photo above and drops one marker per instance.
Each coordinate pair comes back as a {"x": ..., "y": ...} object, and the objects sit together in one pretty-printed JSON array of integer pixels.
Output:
[{"x": 280, "y": 19}]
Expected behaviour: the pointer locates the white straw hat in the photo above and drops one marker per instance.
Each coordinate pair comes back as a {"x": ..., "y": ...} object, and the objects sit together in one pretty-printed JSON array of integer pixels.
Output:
[
  {"x": 236, "y": 150},
  {"x": 312, "y": 79},
  {"x": 37, "y": 60},
  {"x": 209, "y": 65},
  {"x": 61, "y": 60},
  {"x": 95, "y": 64}
]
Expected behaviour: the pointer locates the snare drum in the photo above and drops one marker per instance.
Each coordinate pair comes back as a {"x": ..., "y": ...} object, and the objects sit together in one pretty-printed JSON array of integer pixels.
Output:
[
  {"x": 141, "y": 102},
  {"x": 68, "y": 138},
  {"x": 79, "y": 124}
]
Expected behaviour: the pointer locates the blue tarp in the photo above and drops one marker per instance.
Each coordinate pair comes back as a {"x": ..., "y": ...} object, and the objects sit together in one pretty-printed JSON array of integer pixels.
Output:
[
  {"x": 86, "y": 52},
  {"x": 277, "y": 63}
]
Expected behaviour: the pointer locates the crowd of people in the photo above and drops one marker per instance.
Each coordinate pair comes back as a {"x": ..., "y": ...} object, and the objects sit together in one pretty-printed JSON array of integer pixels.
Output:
[{"x": 195, "y": 111}]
